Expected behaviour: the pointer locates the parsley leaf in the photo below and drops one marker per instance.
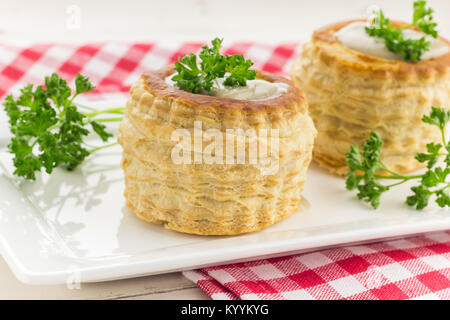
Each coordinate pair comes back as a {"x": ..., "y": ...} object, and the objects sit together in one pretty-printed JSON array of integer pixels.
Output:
[
  {"x": 420, "y": 198},
  {"x": 367, "y": 161},
  {"x": 82, "y": 84},
  {"x": 195, "y": 76},
  {"x": 432, "y": 156},
  {"x": 423, "y": 18},
  {"x": 239, "y": 69},
  {"x": 438, "y": 117}
]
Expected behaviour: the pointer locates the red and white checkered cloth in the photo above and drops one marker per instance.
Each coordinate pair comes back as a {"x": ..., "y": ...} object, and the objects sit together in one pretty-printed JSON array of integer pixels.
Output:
[
  {"x": 403, "y": 269},
  {"x": 412, "y": 268}
]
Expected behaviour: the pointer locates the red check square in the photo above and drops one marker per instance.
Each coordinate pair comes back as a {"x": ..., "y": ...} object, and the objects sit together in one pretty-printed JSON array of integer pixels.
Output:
[
  {"x": 354, "y": 265},
  {"x": 434, "y": 280},
  {"x": 307, "y": 279},
  {"x": 389, "y": 292},
  {"x": 399, "y": 255}
]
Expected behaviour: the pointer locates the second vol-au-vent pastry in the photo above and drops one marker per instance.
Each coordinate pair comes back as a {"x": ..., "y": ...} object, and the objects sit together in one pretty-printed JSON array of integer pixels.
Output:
[{"x": 357, "y": 82}]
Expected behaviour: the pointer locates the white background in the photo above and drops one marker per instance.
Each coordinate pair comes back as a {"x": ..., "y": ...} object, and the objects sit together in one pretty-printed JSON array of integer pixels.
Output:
[{"x": 145, "y": 20}]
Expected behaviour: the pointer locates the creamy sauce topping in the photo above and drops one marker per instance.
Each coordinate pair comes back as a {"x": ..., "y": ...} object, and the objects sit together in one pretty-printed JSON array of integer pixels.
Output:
[
  {"x": 255, "y": 90},
  {"x": 355, "y": 37}
]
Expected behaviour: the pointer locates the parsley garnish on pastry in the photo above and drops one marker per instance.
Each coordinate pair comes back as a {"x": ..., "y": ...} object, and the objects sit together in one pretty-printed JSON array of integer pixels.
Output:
[{"x": 401, "y": 39}]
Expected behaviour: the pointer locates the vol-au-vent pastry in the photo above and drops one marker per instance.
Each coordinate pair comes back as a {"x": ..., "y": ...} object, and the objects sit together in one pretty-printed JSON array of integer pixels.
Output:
[
  {"x": 205, "y": 192},
  {"x": 355, "y": 85}
]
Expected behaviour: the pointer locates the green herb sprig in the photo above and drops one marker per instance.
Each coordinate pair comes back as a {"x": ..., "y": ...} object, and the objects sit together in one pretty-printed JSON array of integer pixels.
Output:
[
  {"x": 410, "y": 49},
  {"x": 365, "y": 166},
  {"x": 194, "y": 76},
  {"x": 48, "y": 129}
]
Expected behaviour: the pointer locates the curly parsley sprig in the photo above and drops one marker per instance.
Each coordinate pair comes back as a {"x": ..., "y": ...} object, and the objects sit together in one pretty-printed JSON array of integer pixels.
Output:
[
  {"x": 48, "y": 129},
  {"x": 410, "y": 49},
  {"x": 365, "y": 166},
  {"x": 195, "y": 76}
]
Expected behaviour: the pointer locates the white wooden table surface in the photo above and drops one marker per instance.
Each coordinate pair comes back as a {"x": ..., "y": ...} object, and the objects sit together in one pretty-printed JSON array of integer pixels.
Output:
[
  {"x": 177, "y": 20},
  {"x": 171, "y": 286}
]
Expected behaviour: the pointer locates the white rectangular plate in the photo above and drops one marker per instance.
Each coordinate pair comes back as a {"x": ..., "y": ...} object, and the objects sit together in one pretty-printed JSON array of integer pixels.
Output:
[{"x": 75, "y": 224}]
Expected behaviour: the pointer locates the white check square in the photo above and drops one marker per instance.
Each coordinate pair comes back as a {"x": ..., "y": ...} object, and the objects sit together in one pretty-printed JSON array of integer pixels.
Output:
[
  {"x": 39, "y": 70},
  {"x": 395, "y": 272},
  {"x": 429, "y": 296},
  {"x": 98, "y": 66},
  {"x": 7, "y": 56},
  {"x": 347, "y": 286},
  {"x": 258, "y": 53},
  {"x": 297, "y": 295},
  {"x": 402, "y": 244},
  {"x": 314, "y": 260},
  {"x": 436, "y": 262},
  {"x": 250, "y": 296},
  {"x": 156, "y": 58},
  {"x": 60, "y": 53},
  {"x": 222, "y": 276},
  {"x": 220, "y": 296},
  {"x": 267, "y": 272},
  {"x": 361, "y": 250}
]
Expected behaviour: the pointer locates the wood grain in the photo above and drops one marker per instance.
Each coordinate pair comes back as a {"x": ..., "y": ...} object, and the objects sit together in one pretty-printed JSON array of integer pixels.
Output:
[{"x": 167, "y": 286}]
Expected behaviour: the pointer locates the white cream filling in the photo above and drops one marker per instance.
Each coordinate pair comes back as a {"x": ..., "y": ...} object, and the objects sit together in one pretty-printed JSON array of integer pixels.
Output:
[
  {"x": 355, "y": 37},
  {"x": 256, "y": 89}
]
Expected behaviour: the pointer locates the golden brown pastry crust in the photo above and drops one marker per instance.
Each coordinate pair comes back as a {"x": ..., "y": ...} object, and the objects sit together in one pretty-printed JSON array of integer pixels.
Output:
[
  {"x": 351, "y": 94},
  {"x": 211, "y": 199}
]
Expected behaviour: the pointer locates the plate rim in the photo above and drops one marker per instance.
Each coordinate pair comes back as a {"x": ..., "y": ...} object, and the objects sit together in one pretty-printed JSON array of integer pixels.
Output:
[{"x": 123, "y": 270}]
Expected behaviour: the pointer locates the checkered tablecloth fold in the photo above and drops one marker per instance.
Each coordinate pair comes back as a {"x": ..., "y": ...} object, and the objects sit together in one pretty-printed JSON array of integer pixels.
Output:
[{"x": 411, "y": 268}]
